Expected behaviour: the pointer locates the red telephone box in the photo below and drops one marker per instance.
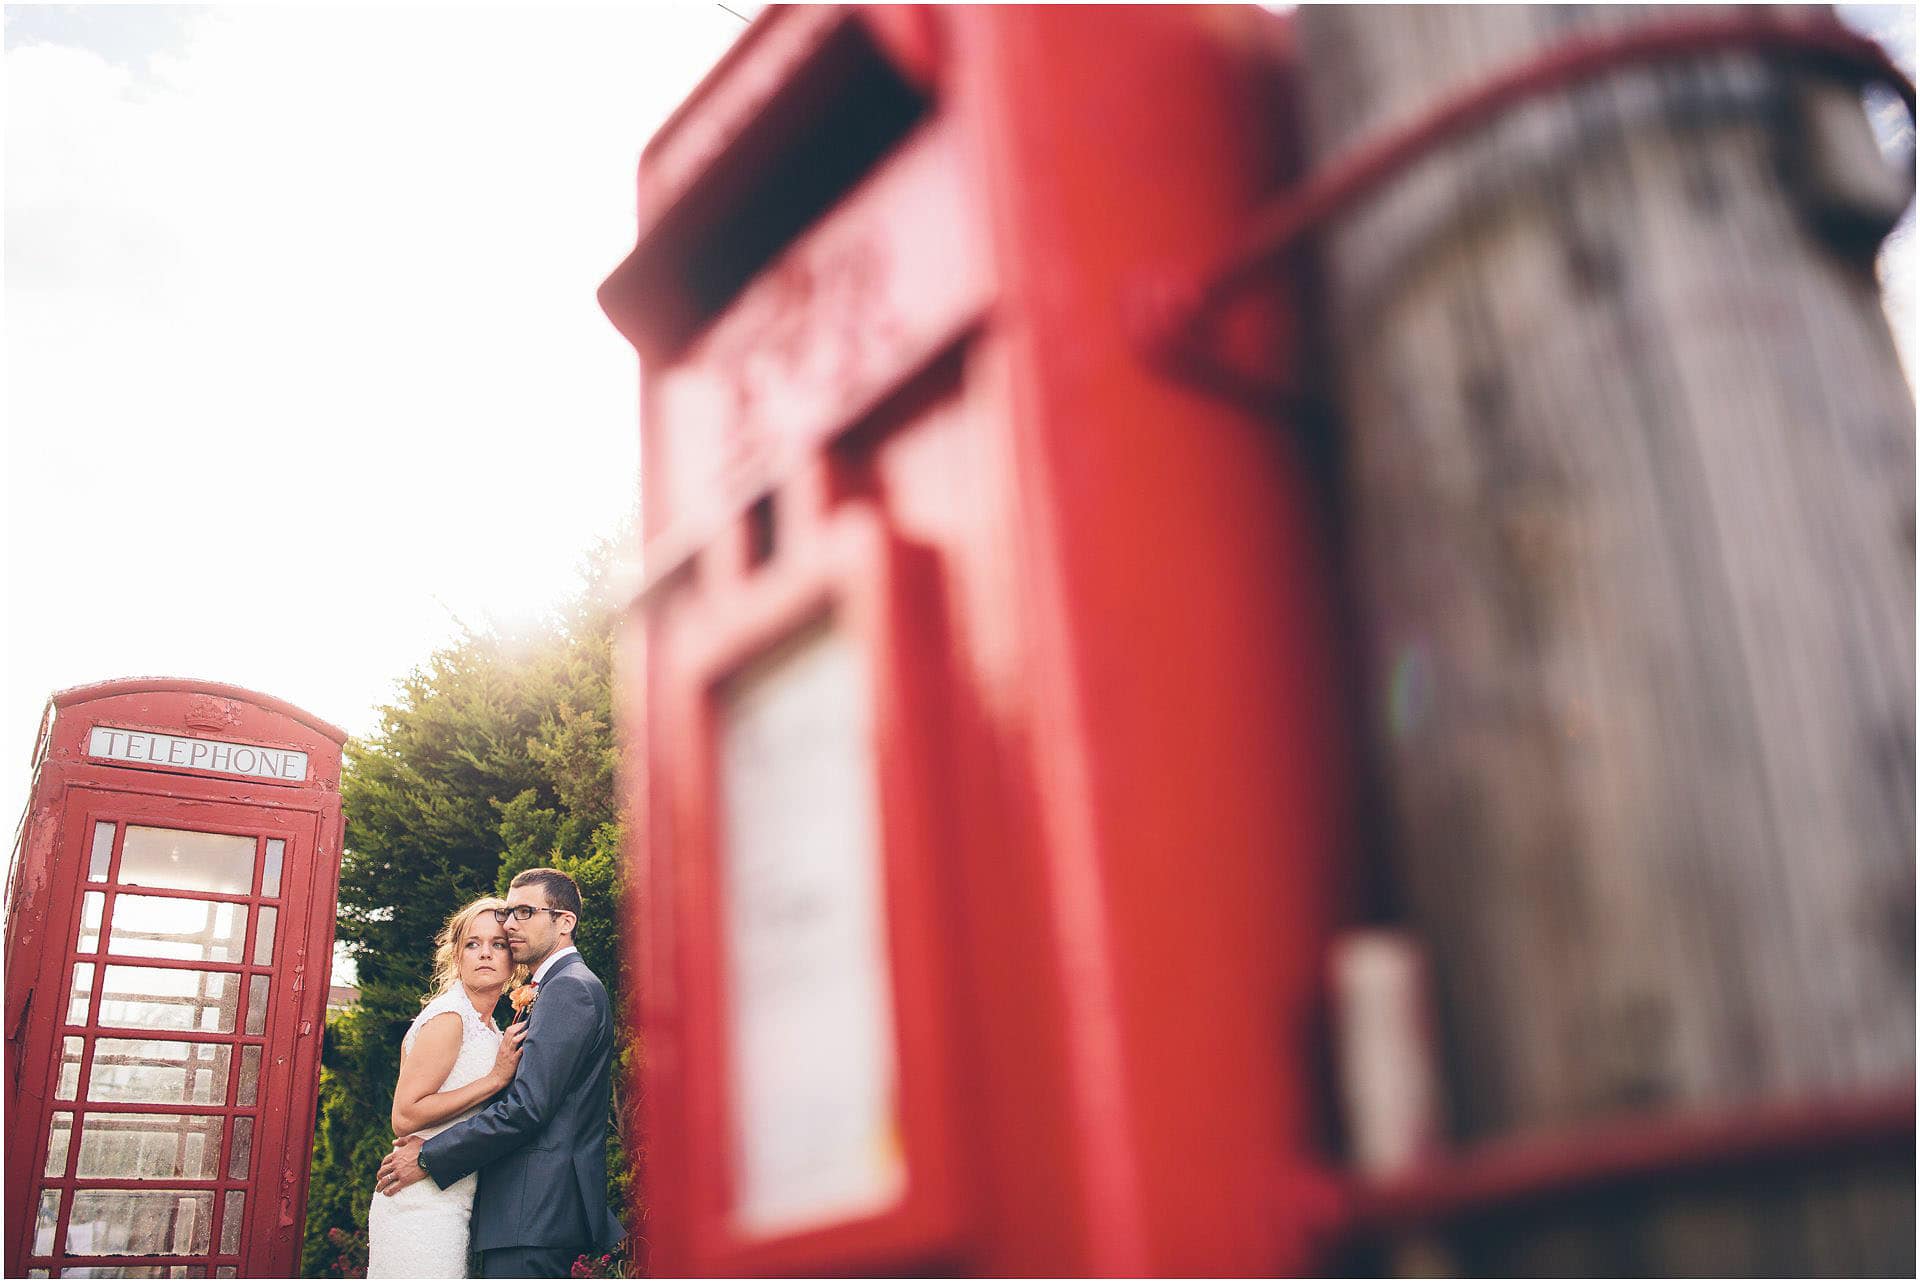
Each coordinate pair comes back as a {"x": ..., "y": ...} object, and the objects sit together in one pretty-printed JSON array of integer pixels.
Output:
[
  {"x": 169, "y": 941},
  {"x": 982, "y": 686}
]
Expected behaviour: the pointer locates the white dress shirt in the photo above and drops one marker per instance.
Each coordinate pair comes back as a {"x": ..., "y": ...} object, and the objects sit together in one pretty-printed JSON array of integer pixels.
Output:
[{"x": 552, "y": 958}]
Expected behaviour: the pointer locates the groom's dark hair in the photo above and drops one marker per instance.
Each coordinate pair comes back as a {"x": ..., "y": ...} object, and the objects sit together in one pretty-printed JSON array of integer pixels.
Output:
[{"x": 561, "y": 891}]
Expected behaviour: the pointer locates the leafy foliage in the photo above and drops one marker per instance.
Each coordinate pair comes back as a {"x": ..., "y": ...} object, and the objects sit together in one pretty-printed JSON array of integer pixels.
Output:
[
  {"x": 352, "y": 1261},
  {"x": 613, "y": 1265},
  {"x": 497, "y": 756}
]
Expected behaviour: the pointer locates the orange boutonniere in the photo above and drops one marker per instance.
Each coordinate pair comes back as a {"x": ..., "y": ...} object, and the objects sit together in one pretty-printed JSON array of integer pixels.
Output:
[{"x": 522, "y": 999}]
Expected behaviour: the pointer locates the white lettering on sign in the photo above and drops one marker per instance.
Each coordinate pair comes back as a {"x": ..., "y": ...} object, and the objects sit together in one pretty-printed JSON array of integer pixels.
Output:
[
  {"x": 118, "y": 745},
  {"x": 816, "y": 1136}
]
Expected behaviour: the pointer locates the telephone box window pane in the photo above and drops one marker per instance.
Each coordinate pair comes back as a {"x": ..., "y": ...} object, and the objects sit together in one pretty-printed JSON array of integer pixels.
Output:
[
  {"x": 166, "y": 998},
  {"x": 69, "y": 1070},
  {"x": 270, "y": 877},
  {"x": 82, "y": 992},
  {"x": 101, "y": 856},
  {"x": 186, "y": 861},
  {"x": 232, "y": 1219},
  {"x": 249, "y": 1074},
  {"x": 46, "y": 1221},
  {"x": 92, "y": 905},
  {"x": 36, "y": 1274},
  {"x": 224, "y": 1272},
  {"x": 142, "y": 1072},
  {"x": 263, "y": 937},
  {"x": 190, "y": 930},
  {"x": 139, "y": 1222},
  {"x": 57, "y": 1139},
  {"x": 150, "y": 1146},
  {"x": 257, "y": 1005},
  {"x": 812, "y": 1048},
  {"x": 242, "y": 1155}
]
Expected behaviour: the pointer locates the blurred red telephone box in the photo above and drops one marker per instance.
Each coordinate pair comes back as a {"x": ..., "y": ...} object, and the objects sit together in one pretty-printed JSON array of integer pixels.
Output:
[
  {"x": 986, "y": 752},
  {"x": 169, "y": 943}
]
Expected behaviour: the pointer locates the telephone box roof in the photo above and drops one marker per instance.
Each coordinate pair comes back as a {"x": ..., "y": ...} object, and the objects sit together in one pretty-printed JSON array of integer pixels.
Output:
[{"x": 136, "y": 685}]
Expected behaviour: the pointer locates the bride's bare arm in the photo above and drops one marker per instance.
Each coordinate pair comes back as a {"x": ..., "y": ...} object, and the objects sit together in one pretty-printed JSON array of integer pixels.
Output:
[{"x": 415, "y": 1102}]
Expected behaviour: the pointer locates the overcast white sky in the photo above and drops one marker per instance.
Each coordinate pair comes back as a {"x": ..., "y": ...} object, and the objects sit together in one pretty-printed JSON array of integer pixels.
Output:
[
  {"x": 303, "y": 355},
  {"x": 303, "y": 358}
]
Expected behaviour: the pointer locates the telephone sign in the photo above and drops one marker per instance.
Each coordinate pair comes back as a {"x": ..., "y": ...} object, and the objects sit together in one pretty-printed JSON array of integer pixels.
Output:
[{"x": 116, "y": 744}]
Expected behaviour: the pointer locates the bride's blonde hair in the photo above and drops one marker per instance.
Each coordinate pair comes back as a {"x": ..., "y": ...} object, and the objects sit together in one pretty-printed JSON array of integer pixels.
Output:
[{"x": 446, "y": 948}]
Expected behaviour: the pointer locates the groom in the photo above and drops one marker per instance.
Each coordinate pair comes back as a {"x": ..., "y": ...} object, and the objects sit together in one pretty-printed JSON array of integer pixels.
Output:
[{"x": 540, "y": 1147}]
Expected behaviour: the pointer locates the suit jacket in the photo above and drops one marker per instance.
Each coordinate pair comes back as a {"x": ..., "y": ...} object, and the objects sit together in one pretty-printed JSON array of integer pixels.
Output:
[{"x": 541, "y": 1146}]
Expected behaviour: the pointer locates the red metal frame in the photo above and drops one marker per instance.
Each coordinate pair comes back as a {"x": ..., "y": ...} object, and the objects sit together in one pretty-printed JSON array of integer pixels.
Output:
[
  {"x": 1177, "y": 317},
  {"x": 72, "y": 795},
  {"x": 1526, "y": 1173},
  {"x": 852, "y": 568}
]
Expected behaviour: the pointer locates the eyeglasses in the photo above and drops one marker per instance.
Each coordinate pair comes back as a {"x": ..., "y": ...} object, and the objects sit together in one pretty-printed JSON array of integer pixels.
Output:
[{"x": 522, "y": 912}]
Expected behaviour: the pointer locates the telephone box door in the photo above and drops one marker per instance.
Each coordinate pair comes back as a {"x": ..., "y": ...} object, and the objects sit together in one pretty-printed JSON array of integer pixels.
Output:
[{"x": 186, "y": 958}]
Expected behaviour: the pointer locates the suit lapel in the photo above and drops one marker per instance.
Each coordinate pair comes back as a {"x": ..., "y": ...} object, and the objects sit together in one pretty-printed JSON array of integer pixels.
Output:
[{"x": 563, "y": 964}]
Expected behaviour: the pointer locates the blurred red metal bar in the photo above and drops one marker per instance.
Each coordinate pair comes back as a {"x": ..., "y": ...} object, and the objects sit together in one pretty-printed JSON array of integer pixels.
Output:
[
  {"x": 1507, "y": 1176},
  {"x": 1178, "y": 316}
]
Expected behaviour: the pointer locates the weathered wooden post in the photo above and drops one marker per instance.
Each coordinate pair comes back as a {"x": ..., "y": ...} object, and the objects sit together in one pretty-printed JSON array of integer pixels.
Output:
[{"x": 1631, "y": 476}]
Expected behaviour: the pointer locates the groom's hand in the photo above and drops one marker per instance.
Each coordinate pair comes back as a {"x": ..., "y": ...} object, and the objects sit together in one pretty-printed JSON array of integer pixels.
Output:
[{"x": 402, "y": 1167}]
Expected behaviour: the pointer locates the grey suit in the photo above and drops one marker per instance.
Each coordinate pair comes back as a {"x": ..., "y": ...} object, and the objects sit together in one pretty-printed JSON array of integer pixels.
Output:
[{"x": 541, "y": 1146}]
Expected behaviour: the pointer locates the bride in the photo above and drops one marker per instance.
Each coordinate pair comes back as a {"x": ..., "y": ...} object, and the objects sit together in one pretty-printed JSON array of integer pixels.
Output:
[{"x": 452, "y": 1061}]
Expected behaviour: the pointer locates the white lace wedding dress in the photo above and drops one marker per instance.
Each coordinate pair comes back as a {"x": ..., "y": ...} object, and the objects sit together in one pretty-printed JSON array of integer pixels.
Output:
[{"x": 422, "y": 1232}]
